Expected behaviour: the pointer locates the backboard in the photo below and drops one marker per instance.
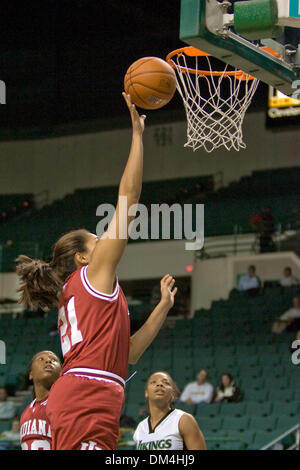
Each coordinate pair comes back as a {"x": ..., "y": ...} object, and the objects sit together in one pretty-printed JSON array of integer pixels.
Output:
[{"x": 212, "y": 25}]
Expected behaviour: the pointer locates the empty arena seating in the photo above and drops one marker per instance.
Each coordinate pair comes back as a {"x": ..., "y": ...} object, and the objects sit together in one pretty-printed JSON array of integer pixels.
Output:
[
  {"x": 12, "y": 205},
  {"x": 233, "y": 336},
  {"x": 229, "y": 208},
  {"x": 78, "y": 210}
]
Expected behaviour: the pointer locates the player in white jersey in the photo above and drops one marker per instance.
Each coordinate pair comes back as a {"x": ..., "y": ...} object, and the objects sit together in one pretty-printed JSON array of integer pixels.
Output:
[{"x": 166, "y": 428}]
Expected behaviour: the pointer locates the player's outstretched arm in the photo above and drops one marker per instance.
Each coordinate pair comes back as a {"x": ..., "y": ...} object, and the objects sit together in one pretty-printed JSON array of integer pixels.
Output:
[
  {"x": 140, "y": 341},
  {"x": 109, "y": 249},
  {"x": 190, "y": 433}
]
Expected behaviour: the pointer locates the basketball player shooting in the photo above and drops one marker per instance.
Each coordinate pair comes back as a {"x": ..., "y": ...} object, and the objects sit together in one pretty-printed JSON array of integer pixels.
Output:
[{"x": 85, "y": 403}]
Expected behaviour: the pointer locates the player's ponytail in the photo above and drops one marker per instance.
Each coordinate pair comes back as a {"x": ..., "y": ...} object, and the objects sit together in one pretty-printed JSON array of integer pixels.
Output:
[{"x": 39, "y": 283}]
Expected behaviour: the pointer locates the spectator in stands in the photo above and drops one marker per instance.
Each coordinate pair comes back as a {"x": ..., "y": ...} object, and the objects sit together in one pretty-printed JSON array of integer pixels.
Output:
[
  {"x": 264, "y": 224},
  {"x": 200, "y": 391},
  {"x": 288, "y": 280},
  {"x": 289, "y": 320},
  {"x": 13, "y": 435},
  {"x": 227, "y": 391},
  {"x": 249, "y": 282},
  {"x": 7, "y": 408}
]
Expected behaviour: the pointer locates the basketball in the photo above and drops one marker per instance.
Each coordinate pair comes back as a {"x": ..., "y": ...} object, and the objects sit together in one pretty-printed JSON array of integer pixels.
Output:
[{"x": 150, "y": 82}]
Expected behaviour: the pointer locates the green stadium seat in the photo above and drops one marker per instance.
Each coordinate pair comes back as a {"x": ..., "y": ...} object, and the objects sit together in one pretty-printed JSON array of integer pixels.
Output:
[
  {"x": 256, "y": 395},
  {"x": 263, "y": 438},
  {"x": 258, "y": 409},
  {"x": 187, "y": 408},
  {"x": 233, "y": 445},
  {"x": 226, "y": 341},
  {"x": 132, "y": 410},
  {"x": 232, "y": 423},
  {"x": 270, "y": 360},
  {"x": 247, "y": 361},
  {"x": 286, "y": 422},
  {"x": 182, "y": 358},
  {"x": 26, "y": 401},
  {"x": 280, "y": 383},
  {"x": 281, "y": 395},
  {"x": 294, "y": 381},
  {"x": 232, "y": 409},
  {"x": 225, "y": 351},
  {"x": 267, "y": 423},
  {"x": 268, "y": 349},
  {"x": 207, "y": 410},
  {"x": 5, "y": 425},
  {"x": 163, "y": 364},
  {"x": 224, "y": 361},
  {"x": 253, "y": 383},
  {"x": 246, "y": 350},
  {"x": 233, "y": 370},
  {"x": 203, "y": 361},
  {"x": 246, "y": 437},
  {"x": 278, "y": 371},
  {"x": 180, "y": 342},
  {"x": 209, "y": 425},
  {"x": 286, "y": 409},
  {"x": 213, "y": 444}
]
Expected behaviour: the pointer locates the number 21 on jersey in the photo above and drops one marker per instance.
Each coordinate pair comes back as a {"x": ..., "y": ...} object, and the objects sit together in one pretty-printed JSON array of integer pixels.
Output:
[{"x": 67, "y": 323}]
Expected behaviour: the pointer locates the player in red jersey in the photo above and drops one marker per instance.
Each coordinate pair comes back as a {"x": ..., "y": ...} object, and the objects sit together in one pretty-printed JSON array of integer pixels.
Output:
[
  {"x": 85, "y": 403},
  {"x": 44, "y": 370}
]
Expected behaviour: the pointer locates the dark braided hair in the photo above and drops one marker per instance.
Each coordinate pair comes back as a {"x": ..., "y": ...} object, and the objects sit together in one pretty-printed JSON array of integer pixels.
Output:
[
  {"x": 176, "y": 391},
  {"x": 41, "y": 281}
]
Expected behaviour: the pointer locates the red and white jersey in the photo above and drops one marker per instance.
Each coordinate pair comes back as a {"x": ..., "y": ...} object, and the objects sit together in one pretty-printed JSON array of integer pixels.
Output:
[
  {"x": 34, "y": 427},
  {"x": 94, "y": 330}
]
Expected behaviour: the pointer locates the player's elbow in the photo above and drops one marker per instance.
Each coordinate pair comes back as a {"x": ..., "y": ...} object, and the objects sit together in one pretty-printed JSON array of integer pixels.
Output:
[
  {"x": 133, "y": 355},
  {"x": 133, "y": 359},
  {"x": 131, "y": 192}
]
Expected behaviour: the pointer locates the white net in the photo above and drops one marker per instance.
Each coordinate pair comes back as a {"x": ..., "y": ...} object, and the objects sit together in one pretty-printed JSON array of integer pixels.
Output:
[{"x": 215, "y": 105}]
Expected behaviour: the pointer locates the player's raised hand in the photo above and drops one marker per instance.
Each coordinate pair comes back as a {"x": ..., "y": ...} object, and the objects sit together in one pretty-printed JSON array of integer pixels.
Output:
[
  {"x": 168, "y": 291},
  {"x": 138, "y": 122}
]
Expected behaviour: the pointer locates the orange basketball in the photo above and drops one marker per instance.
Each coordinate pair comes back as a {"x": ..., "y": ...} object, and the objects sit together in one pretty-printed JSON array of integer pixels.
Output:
[{"x": 150, "y": 82}]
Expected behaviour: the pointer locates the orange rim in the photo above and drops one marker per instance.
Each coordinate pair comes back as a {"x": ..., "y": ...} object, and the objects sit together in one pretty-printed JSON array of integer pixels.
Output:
[{"x": 194, "y": 52}]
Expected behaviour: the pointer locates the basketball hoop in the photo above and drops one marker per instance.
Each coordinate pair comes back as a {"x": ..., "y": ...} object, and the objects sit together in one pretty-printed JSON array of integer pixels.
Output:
[{"x": 215, "y": 102}]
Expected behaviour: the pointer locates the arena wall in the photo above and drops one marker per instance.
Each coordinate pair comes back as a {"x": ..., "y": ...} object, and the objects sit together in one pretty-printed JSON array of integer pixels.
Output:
[
  {"x": 214, "y": 279},
  {"x": 62, "y": 164}
]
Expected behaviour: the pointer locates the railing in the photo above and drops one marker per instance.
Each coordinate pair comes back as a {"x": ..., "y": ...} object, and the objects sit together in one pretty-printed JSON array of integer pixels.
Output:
[
  {"x": 295, "y": 446},
  {"x": 239, "y": 243}
]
